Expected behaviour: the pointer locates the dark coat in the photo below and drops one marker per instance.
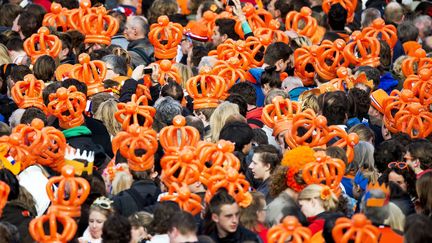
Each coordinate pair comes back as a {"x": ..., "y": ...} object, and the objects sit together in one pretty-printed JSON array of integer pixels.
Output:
[
  {"x": 16, "y": 213},
  {"x": 242, "y": 234}
]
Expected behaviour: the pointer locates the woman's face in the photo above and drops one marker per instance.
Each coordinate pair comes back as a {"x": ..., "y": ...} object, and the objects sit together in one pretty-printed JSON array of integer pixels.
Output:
[
  {"x": 307, "y": 207},
  {"x": 138, "y": 233},
  {"x": 398, "y": 179},
  {"x": 96, "y": 221},
  {"x": 261, "y": 214}
]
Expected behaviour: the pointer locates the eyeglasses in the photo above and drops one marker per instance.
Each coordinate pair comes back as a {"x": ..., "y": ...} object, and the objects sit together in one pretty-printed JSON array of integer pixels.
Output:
[{"x": 400, "y": 165}]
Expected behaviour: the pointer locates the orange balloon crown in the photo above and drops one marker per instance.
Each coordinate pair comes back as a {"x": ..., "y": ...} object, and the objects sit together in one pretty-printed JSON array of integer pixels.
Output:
[
  {"x": 4, "y": 193},
  {"x": 289, "y": 230},
  {"x": 52, "y": 218},
  {"x": 70, "y": 195},
  {"x": 181, "y": 167},
  {"x": 357, "y": 229},
  {"x": 15, "y": 154},
  {"x": 413, "y": 64},
  {"x": 68, "y": 106},
  {"x": 345, "y": 81},
  {"x": 180, "y": 193},
  {"x": 306, "y": 59},
  {"x": 57, "y": 18},
  {"x": 168, "y": 70},
  {"x": 99, "y": 27},
  {"x": 137, "y": 145},
  {"x": 173, "y": 138},
  {"x": 294, "y": 20},
  {"x": 363, "y": 50},
  {"x": 420, "y": 85},
  {"x": 239, "y": 49},
  {"x": 379, "y": 29},
  {"x": 256, "y": 18},
  {"x": 28, "y": 93},
  {"x": 349, "y": 5},
  {"x": 230, "y": 70},
  {"x": 134, "y": 111},
  {"x": 330, "y": 57},
  {"x": 279, "y": 114},
  {"x": 76, "y": 16},
  {"x": 373, "y": 201},
  {"x": 272, "y": 31},
  {"x": 257, "y": 47},
  {"x": 42, "y": 43},
  {"x": 92, "y": 73},
  {"x": 206, "y": 89},
  {"x": 165, "y": 36}
]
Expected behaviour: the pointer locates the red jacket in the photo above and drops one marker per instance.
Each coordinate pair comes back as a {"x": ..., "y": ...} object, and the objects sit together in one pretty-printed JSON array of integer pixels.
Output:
[{"x": 253, "y": 118}]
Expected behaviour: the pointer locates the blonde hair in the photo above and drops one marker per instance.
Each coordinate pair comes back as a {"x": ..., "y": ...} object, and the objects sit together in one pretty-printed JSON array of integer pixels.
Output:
[
  {"x": 185, "y": 73},
  {"x": 396, "y": 218},
  {"x": 219, "y": 118},
  {"x": 105, "y": 113},
  {"x": 162, "y": 7},
  {"x": 397, "y": 68},
  {"x": 122, "y": 181},
  {"x": 248, "y": 215},
  {"x": 309, "y": 101},
  {"x": 314, "y": 191},
  {"x": 364, "y": 132},
  {"x": 4, "y": 55}
]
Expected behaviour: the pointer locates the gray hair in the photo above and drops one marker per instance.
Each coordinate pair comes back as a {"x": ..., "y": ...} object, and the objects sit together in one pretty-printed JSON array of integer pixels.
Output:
[
  {"x": 166, "y": 109},
  {"x": 363, "y": 156},
  {"x": 369, "y": 15},
  {"x": 273, "y": 93},
  {"x": 15, "y": 117},
  {"x": 376, "y": 214},
  {"x": 118, "y": 63}
]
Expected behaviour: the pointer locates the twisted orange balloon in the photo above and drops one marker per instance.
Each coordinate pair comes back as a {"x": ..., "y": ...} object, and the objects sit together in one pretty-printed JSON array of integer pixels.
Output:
[
  {"x": 345, "y": 80},
  {"x": 57, "y": 18},
  {"x": 306, "y": 59},
  {"x": 349, "y": 5},
  {"x": 92, "y": 73},
  {"x": 216, "y": 155},
  {"x": 14, "y": 146},
  {"x": 256, "y": 18},
  {"x": 412, "y": 64},
  {"x": 130, "y": 113},
  {"x": 397, "y": 100},
  {"x": 63, "y": 71},
  {"x": 206, "y": 89},
  {"x": 4, "y": 193},
  {"x": 234, "y": 182},
  {"x": 167, "y": 70},
  {"x": 324, "y": 169},
  {"x": 414, "y": 120},
  {"x": 180, "y": 193},
  {"x": 329, "y": 58},
  {"x": 68, "y": 106},
  {"x": 388, "y": 32},
  {"x": 68, "y": 226},
  {"x": 209, "y": 20},
  {"x": 257, "y": 47},
  {"x": 229, "y": 70},
  {"x": 75, "y": 16},
  {"x": 99, "y": 27},
  {"x": 357, "y": 229},
  {"x": 363, "y": 50},
  {"x": 294, "y": 20},
  {"x": 165, "y": 36},
  {"x": 42, "y": 43},
  {"x": 289, "y": 230},
  {"x": 279, "y": 114},
  {"x": 136, "y": 138},
  {"x": 28, "y": 93},
  {"x": 272, "y": 31},
  {"x": 174, "y": 138},
  {"x": 237, "y": 49},
  {"x": 70, "y": 195},
  {"x": 181, "y": 167},
  {"x": 420, "y": 84}
]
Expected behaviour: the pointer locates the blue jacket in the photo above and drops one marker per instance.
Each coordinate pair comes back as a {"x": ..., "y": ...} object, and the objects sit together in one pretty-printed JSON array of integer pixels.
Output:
[
  {"x": 254, "y": 78},
  {"x": 388, "y": 83}
]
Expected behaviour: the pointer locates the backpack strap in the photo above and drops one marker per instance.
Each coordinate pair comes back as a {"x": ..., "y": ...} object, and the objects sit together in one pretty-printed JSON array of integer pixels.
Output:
[{"x": 142, "y": 54}]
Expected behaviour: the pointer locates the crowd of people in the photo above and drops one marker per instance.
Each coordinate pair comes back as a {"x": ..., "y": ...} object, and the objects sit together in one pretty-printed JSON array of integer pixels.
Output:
[{"x": 215, "y": 121}]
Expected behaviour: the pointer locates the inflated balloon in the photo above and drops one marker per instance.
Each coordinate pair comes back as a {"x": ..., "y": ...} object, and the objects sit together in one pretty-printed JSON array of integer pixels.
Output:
[
  {"x": 133, "y": 140},
  {"x": 167, "y": 70},
  {"x": 256, "y": 18},
  {"x": 134, "y": 111},
  {"x": 420, "y": 84},
  {"x": 173, "y": 138},
  {"x": 306, "y": 61},
  {"x": 238, "y": 49},
  {"x": 165, "y": 36},
  {"x": 63, "y": 71},
  {"x": 294, "y": 21},
  {"x": 68, "y": 106},
  {"x": 42, "y": 43},
  {"x": 28, "y": 93},
  {"x": 257, "y": 47},
  {"x": 181, "y": 167},
  {"x": 414, "y": 120},
  {"x": 324, "y": 170},
  {"x": 279, "y": 114},
  {"x": 346, "y": 81},
  {"x": 234, "y": 182},
  {"x": 349, "y": 5},
  {"x": 272, "y": 32},
  {"x": 15, "y": 154},
  {"x": 289, "y": 230},
  {"x": 70, "y": 195},
  {"x": 57, "y": 18},
  {"x": 363, "y": 50},
  {"x": 92, "y": 73},
  {"x": 206, "y": 89},
  {"x": 329, "y": 58},
  {"x": 396, "y": 101},
  {"x": 38, "y": 231},
  {"x": 187, "y": 201},
  {"x": 98, "y": 27},
  {"x": 75, "y": 16},
  {"x": 209, "y": 20},
  {"x": 230, "y": 70},
  {"x": 4, "y": 193},
  {"x": 379, "y": 29},
  {"x": 356, "y": 229},
  {"x": 412, "y": 64}
]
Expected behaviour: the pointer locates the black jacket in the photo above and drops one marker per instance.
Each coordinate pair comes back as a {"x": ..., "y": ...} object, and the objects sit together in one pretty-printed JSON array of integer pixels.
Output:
[
  {"x": 139, "y": 197},
  {"x": 242, "y": 234},
  {"x": 15, "y": 213}
]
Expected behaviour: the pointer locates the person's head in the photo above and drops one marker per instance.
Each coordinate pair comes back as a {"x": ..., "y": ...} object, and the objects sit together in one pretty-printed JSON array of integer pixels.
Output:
[
  {"x": 394, "y": 13},
  {"x": 18, "y": 73},
  {"x": 4, "y": 129},
  {"x": 407, "y": 31},
  {"x": 240, "y": 101},
  {"x": 121, "y": 19},
  {"x": 163, "y": 213},
  {"x": 115, "y": 65},
  {"x": 224, "y": 29},
  {"x": 26, "y": 24},
  {"x": 219, "y": 118},
  {"x": 4, "y": 55},
  {"x": 245, "y": 90},
  {"x": 385, "y": 56},
  {"x": 264, "y": 161},
  {"x": 162, "y": 7},
  {"x": 309, "y": 101},
  {"x": 182, "y": 228},
  {"x": 334, "y": 106},
  {"x": 270, "y": 79},
  {"x": 49, "y": 89},
  {"x": 388, "y": 151},
  {"x": 361, "y": 100},
  {"x": 122, "y": 181},
  {"x": 195, "y": 122},
  {"x": 427, "y": 44},
  {"x": 32, "y": 113},
  {"x": 99, "y": 212},
  {"x": 368, "y": 16},
  {"x": 44, "y": 68},
  {"x": 66, "y": 41},
  {"x": 80, "y": 86},
  {"x": 401, "y": 174},
  {"x": 376, "y": 212},
  {"x": 364, "y": 132},
  {"x": 315, "y": 199},
  {"x": 371, "y": 73},
  {"x": 198, "y": 52},
  {"x": 273, "y": 93},
  {"x": 166, "y": 109},
  {"x": 38, "y": 10},
  {"x": 417, "y": 229},
  {"x": 140, "y": 223},
  {"x": 424, "y": 26},
  {"x": 278, "y": 54},
  {"x": 224, "y": 212},
  {"x": 15, "y": 118},
  {"x": 239, "y": 133},
  {"x": 254, "y": 214},
  {"x": 260, "y": 137},
  {"x": 418, "y": 155},
  {"x": 282, "y": 206},
  {"x": 337, "y": 16},
  {"x": 174, "y": 90},
  {"x": 363, "y": 157},
  {"x": 9, "y": 13},
  {"x": 329, "y": 224},
  {"x": 116, "y": 229},
  {"x": 135, "y": 28},
  {"x": 424, "y": 193}
]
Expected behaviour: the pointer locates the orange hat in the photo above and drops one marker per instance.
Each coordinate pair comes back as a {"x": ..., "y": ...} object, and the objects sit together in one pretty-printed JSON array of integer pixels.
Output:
[
  {"x": 168, "y": 70},
  {"x": 329, "y": 58},
  {"x": 349, "y": 5},
  {"x": 130, "y": 112},
  {"x": 165, "y": 36},
  {"x": 420, "y": 84},
  {"x": 272, "y": 31},
  {"x": 257, "y": 45},
  {"x": 182, "y": 166},
  {"x": 28, "y": 93},
  {"x": 410, "y": 47},
  {"x": 363, "y": 50},
  {"x": 239, "y": 49},
  {"x": 173, "y": 138},
  {"x": 99, "y": 27},
  {"x": 68, "y": 204},
  {"x": 379, "y": 29},
  {"x": 197, "y": 31},
  {"x": 42, "y": 43},
  {"x": 180, "y": 193},
  {"x": 377, "y": 99},
  {"x": 230, "y": 70},
  {"x": 209, "y": 20},
  {"x": 56, "y": 18},
  {"x": 357, "y": 229},
  {"x": 293, "y": 19},
  {"x": 49, "y": 221},
  {"x": 303, "y": 57},
  {"x": 92, "y": 73},
  {"x": 289, "y": 230},
  {"x": 279, "y": 114},
  {"x": 75, "y": 16},
  {"x": 63, "y": 71},
  {"x": 417, "y": 61},
  {"x": 414, "y": 119}
]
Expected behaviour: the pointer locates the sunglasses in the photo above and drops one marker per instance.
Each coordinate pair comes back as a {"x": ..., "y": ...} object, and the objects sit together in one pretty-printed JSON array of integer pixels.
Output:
[{"x": 400, "y": 165}]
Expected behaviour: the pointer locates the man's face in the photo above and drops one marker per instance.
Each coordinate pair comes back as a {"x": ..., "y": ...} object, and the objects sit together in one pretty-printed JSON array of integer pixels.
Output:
[
  {"x": 110, "y": 74},
  {"x": 216, "y": 37},
  {"x": 15, "y": 26},
  {"x": 228, "y": 219},
  {"x": 258, "y": 168},
  {"x": 129, "y": 31}
]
